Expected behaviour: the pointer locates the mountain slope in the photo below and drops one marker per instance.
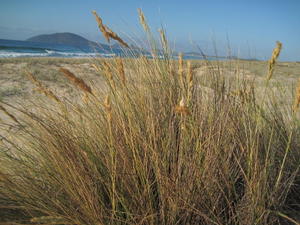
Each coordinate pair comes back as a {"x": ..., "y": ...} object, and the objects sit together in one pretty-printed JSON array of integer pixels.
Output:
[{"x": 64, "y": 38}]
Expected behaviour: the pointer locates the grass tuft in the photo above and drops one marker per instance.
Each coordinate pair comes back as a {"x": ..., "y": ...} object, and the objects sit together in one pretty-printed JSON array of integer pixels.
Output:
[{"x": 158, "y": 143}]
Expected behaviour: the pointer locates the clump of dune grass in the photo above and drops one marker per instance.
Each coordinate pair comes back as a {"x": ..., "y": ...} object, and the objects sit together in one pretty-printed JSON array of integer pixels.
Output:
[{"x": 153, "y": 147}]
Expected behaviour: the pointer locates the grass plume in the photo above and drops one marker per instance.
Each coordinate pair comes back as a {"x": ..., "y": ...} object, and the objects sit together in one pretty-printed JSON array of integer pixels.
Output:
[
  {"x": 181, "y": 108},
  {"x": 78, "y": 82},
  {"x": 107, "y": 32},
  {"x": 297, "y": 98},
  {"x": 143, "y": 21},
  {"x": 273, "y": 59}
]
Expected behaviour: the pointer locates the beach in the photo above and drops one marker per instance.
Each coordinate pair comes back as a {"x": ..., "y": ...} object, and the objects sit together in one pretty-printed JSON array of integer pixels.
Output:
[{"x": 16, "y": 86}]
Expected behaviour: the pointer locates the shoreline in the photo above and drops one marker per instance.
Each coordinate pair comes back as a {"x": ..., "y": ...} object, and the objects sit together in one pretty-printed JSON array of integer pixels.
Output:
[
  {"x": 56, "y": 58},
  {"x": 15, "y": 84}
]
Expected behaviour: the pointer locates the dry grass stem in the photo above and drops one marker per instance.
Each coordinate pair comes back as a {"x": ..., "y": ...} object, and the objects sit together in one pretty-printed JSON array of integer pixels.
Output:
[
  {"x": 41, "y": 88},
  {"x": 121, "y": 71},
  {"x": 49, "y": 220},
  {"x": 180, "y": 67},
  {"x": 189, "y": 81},
  {"x": 95, "y": 67},
  {"x": 8, "y": 114},
  {"x": 109, "y": 74},
  {"x": 107, "y": 106},
  {"x": 189, "y": 74}
]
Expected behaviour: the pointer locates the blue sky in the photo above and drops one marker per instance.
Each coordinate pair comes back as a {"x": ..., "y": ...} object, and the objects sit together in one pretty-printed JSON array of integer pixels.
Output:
[{"x": 252, "y": 27}]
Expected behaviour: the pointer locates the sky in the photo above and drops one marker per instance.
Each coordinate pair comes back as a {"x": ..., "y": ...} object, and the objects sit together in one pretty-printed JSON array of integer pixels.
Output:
[{"x": 248, "y": 28}]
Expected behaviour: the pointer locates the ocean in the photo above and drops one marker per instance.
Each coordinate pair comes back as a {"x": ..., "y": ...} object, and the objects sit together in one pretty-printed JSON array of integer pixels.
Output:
[
  {"x": 17, "y": 49},
  {"x": 13, "y": 49}
]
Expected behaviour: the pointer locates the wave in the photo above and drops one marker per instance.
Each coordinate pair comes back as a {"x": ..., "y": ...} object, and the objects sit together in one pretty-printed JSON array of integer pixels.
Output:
[
  {"x": 16, "y": 53},
  {"x": 14, "y": 49},
  {"x": 52, "y": 53},
  {"x": 21, "y": 48}
]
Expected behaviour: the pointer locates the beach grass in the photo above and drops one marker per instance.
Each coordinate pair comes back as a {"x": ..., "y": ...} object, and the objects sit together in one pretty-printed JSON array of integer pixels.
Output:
[{"x": 160, "y": 141}]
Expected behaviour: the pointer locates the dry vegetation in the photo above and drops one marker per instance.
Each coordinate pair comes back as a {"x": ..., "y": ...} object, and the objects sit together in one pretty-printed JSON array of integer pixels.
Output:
[{"x": 153, "y": 141}]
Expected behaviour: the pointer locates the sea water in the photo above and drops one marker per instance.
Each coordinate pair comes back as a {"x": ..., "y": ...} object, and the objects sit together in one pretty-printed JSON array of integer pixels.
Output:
[{"x": 12, "y": 49}]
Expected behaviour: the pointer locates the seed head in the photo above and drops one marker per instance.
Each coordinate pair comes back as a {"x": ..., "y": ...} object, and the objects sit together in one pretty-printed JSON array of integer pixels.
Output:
[
  {"x": 297, "y": 98},
  {"x": 181, "y": 108},
  {"x": 143, "y": 21},
  {"x": 76, "y": 81},
  {"x": 107, "y": 32},
  {"x": 273, "y": 59}
]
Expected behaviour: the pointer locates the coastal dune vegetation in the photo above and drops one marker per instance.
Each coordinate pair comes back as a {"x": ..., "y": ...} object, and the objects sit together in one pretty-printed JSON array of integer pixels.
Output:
[{"x": 157, "y": 143}]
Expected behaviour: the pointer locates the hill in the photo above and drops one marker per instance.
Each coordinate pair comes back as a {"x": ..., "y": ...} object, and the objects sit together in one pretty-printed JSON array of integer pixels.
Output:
[{"x": 64, "y": 38}]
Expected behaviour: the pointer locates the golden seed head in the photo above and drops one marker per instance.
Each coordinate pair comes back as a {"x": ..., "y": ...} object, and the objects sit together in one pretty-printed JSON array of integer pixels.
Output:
[
  {"x": 107, "y": 32},
  {"x": 182, "y": 102},
  {"x": 143, "y": 21},
  {"x": 114, "y": 36},
  {"x": 107, "y": 104},
  {"x": 272, "y": 61},
  {"x": 297, "y": 98},
  {"x": 96, "y": 67},
  {"x": 76, "y": 81},
  {"x": 101, "y": 26},
  {"x": 163, "y": 39},
  {"x": 181, "y": 108}
]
